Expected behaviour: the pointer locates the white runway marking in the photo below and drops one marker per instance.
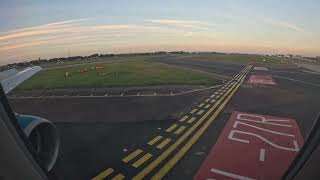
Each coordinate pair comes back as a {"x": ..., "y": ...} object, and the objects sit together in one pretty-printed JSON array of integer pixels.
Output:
[
  {"x": 234, "y": 176},
  {"x": 262, "y": 155},
  {"x": 109, "y": 96}
]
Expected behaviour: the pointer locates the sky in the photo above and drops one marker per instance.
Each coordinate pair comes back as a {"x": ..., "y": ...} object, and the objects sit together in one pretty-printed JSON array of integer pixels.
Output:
[{"x": 32, "y": 29}]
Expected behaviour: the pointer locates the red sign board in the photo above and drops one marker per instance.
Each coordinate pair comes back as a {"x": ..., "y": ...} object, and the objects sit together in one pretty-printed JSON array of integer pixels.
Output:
[
  {"x": 256, "y": 79},
  {"x": 252, "y": 146}
]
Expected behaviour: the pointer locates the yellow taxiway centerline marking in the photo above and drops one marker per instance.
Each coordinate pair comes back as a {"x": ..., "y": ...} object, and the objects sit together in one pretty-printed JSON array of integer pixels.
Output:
[
  {"x": 171, "y": 127},
  {"x": 132, "y": 155},
  {"x": 163, "y": 143},
  {"x": 118, "y": 177},
  {"x": 160, "y": 158},
  {"x": 200, "y": 112},
  {"x": 183, "y": 119},
  {"x": 193, "y": 111},
  {"x": 142, "y": 160},
  {"x": 154, "y": 140},
  {"x": 164, "y": 170},
  {"x": 166, "y": 153},
  {"x": 191, "y": 120},
  {"x": 178, "y": 131}
]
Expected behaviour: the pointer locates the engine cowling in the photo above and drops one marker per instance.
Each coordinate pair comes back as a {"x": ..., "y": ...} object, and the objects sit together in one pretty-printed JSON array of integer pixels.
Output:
[{"x": 44, "y": 138}]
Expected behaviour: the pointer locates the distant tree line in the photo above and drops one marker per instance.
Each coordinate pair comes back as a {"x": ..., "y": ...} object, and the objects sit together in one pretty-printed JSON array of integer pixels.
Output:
[{"x": 93, "y": 56}]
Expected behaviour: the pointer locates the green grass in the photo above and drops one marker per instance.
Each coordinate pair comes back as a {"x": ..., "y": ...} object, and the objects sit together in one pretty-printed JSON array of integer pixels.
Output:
[
  {"x": 125, "y": 73},
  {"x": 241, "y": 58}
]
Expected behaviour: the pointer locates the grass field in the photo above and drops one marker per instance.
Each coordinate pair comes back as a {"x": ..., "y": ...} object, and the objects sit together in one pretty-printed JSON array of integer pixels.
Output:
[
  {"x": 241, "y": 58},
  {"x": 124, "y": 73}
]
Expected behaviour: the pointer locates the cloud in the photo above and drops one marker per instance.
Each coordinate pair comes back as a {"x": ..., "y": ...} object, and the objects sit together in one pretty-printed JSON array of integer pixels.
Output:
[
  {"x": 200, "y": 25},
  {"x": 284, "y": 24},
  {"x": 39, "y": 30},
  {"x": 41, "y": 40},
  {"x": 73, "y": 30}
]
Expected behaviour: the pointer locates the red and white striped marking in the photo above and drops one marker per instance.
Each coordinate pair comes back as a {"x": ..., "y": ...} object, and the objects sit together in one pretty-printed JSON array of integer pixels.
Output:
[
  {"x": 256, "y": 79},
  {"x": 252, "y": 146},
  {"x": 260, "y": 68}
]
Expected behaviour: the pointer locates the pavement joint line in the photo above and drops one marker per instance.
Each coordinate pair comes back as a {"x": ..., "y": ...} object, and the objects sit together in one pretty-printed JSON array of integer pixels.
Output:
[
  {"x": 193, "y": 111},
  {"x": 184, "y": 118},
  {"x": 154, "y": 140},
  {"x": 169, "y": 150},
  {"x": 164, "y": 143},
  {"x": 179, "y": 131},
  {"x": 191, "y": 120},
  {"x": 118, "y": 177},
  {"x": 169, "y": 165},
  {"x": 132, "y": 155},
  {"x": 142, "y": 160},
  {"x": 103, "y": 174},
  {"x": 171, "y": 127}
]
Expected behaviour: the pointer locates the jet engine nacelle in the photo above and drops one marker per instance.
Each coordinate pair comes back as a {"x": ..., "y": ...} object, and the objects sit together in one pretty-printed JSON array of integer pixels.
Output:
[{"x": 44, "y": 138}]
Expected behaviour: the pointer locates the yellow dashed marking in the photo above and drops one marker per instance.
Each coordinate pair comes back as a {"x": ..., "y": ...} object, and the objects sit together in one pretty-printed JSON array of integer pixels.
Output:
[
  {"x": 203, "y": 127},
  {"x": 163, "y": 143},
  {"x": 103, "y": 174},
  {"x": 118, "y": 177},
  {"x": 171, "y": 127},
  {"x": 154, "y": 140},
  {"x": 200, "y": 112},
  {"x": 207, "y": 106},
  {"x": 193, "y": 111},
  {"x": 142, "y": 160},
  {"x": 184, "y": 118},
  {"x": 186, "y": 147},
  {"x": 191, "y": 120},
  {"x": 132, "y": 155},
  {"x": 178, "y": 131}
]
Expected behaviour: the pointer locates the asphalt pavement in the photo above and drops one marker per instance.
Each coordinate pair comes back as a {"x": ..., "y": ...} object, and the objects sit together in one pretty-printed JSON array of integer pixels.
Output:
[{"x": 97, "y": 134}]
